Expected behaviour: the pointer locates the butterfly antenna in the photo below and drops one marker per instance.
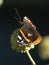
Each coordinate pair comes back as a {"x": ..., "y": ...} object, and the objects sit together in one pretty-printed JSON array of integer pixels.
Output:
[
  {"x": 18, "y": 14},
  {"x": 15, "y": 18}
]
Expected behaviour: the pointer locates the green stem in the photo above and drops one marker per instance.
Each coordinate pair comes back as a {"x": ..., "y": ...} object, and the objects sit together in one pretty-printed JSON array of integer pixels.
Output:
[{"x": 31, "y": 59}]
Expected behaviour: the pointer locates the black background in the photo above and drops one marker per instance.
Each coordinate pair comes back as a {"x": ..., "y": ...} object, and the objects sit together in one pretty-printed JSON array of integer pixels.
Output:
[{"x": 38, "y": 12}]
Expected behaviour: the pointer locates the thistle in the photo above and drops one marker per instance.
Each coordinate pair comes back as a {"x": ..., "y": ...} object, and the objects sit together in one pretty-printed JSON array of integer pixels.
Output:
[{"x": 24, "y": 49}]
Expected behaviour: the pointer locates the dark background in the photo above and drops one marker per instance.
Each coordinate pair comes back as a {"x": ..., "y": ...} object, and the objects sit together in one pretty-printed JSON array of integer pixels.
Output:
[{"x": 38, "y": 12}]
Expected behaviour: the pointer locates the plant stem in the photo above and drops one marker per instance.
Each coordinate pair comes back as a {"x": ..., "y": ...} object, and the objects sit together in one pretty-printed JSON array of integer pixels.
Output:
[{"x": 31, "y": 59}]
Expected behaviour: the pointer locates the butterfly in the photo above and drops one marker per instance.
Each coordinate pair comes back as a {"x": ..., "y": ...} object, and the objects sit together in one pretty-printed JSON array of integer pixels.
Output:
[{"x": 28, "y": 32}]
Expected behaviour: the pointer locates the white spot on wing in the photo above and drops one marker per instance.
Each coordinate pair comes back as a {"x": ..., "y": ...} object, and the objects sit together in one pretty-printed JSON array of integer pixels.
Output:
[
  {"x": 27, "y": 19},
  {"x": 20, "y": 38}
]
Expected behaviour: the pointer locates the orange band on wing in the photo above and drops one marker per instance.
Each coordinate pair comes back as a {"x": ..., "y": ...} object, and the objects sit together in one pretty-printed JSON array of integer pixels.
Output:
[
  {"x": 37, "y": 41},
  {"x": 24, "y": 36}
]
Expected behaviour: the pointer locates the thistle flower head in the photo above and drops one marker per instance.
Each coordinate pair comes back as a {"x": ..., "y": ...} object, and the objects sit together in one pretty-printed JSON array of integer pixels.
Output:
[{"x": 15, "y": 46}]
